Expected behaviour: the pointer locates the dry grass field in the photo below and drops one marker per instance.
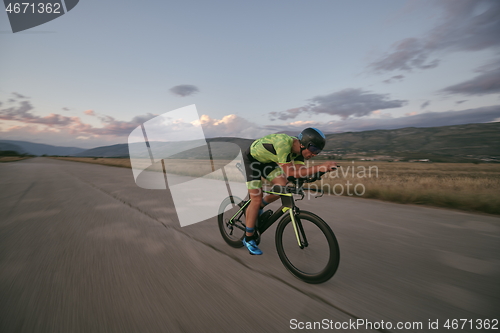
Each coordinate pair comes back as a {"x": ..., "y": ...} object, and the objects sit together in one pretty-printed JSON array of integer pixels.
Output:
[
  {"x": 465, "y": 186},
  {"x": 118, "y": 162},
  {"x": 12, "y": 158}
]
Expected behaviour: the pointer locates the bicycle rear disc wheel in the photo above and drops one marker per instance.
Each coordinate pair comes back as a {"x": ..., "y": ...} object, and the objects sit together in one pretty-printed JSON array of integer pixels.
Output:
[
  {"x": 318, "y": 261},
  {"x": 232, "y": 234}
]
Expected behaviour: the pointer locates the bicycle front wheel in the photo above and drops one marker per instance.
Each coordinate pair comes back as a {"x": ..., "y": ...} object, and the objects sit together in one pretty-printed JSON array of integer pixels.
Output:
[{"x": 317, "y": 260}]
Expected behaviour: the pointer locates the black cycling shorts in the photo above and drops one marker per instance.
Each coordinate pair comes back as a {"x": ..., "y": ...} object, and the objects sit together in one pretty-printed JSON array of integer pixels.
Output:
[{"x": 255, "y": 170}]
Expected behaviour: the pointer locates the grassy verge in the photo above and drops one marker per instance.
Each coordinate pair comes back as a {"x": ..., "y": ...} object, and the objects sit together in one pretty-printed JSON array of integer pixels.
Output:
[
  {"x": 464, "y": 186},
  {"x": 118, "y": 162},
  {"x": 4, "y": 159}
]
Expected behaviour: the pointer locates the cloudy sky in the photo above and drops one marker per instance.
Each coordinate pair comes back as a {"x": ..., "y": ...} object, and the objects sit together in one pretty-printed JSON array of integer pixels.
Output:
[{"x": 252, "y": 68}]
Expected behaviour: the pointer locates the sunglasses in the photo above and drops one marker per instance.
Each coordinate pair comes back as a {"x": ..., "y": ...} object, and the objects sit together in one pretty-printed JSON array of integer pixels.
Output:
[{"x": 313, "y": 149}]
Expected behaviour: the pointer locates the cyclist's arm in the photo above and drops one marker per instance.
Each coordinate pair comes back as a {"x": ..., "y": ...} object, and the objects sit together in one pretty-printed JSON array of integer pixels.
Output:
[{"x": 300, "y": 170}]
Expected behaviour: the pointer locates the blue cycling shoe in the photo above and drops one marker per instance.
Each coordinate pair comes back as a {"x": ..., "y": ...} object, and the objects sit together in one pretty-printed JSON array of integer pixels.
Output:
[{"x": 252, "y": 247}]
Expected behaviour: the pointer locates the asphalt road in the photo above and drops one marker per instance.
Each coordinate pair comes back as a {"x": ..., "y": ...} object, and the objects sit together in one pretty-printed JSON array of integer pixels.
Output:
[{"x": 83, "y": 249}]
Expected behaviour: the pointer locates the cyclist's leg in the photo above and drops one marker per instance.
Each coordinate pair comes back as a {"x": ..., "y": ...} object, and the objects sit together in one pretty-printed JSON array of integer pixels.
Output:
[
  {"x": 251, "y": 219},
  {"x": 253, "y": 209},
  {"x": 276, "y": 177},
  {"x": 253, "y": 169},
  {"x": 279, "y": 180}
]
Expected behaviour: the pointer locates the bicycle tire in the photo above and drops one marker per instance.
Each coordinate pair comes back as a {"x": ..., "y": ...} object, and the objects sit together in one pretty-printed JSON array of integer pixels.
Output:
[
  {"x": 322, "y": 251},
  {"x": 227, "y": 209}
]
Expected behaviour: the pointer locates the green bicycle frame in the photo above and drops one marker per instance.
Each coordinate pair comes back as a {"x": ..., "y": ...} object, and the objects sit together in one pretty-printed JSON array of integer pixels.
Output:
[{"x": 288, "y": 205}]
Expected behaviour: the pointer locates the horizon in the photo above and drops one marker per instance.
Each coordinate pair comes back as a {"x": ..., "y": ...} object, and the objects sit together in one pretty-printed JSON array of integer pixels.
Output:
[
  {"x": 235, "y": 137},
  {"x": 337, "y": 66}
]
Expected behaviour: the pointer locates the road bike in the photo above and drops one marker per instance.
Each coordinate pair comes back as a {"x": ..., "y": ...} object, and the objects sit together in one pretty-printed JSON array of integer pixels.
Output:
[{"x": 306, "y": 244}]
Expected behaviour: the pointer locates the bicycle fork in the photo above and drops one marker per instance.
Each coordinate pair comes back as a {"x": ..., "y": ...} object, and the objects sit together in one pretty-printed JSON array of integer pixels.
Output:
[{"x": 298, "y": 229}]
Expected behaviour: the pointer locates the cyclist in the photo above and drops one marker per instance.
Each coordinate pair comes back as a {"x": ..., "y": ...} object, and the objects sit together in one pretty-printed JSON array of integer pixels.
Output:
[{"x": 276, "y": 157}]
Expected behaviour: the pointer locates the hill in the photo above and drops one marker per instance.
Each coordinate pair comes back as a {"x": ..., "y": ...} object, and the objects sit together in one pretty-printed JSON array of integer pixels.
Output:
[
  {"x": 458, "y": 143},
  {"x": 42, "y": 149},
  {"x": 118, "y": 150},
  {"x": 445, "y": 144},
  {"x": 219, "y": 149},
  {"x": 5, "y": 146}
]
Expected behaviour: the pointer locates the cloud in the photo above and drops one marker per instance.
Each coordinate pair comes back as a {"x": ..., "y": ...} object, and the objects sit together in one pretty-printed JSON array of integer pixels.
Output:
[
  {"x": 57, "y": 136},
  {"x": 22, "y": 114},
  {"x": 304, "y": 124},
  {"x": 184, "y": 90},
  {"x": 427, "y": 119},
  {"x": 288, "y": 114},
  {"x": 394, "y": 78},
  {"x": 143, "y": 118},
  {"x": 407, "y": 54},
  {"x": 488, "y": 82},
  {"x": 293, "y": 128},
  {"x": 425, "y": 104},
  {"x": 345, "y": 103},
  {"x": 465, "y": 26},
  {"x": 19, "y": 95},
  {"x": 65, "y": 109},
  {"x": 112, "y": 127},
  {"x": 379, "y": 114},
  {"x": 22, "y": 111},
  {"x": 231, "y": 125},
  {"x": 352, "y": 102},
  {"x": 115, "y": 127}
]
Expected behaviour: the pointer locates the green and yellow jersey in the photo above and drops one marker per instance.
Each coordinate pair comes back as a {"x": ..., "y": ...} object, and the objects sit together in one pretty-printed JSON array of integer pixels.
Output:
[{"x": 275, "y": 148}]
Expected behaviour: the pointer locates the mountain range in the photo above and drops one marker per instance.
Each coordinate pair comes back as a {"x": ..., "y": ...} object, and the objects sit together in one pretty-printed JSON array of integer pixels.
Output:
[
  {"x": 456, "y": 143},
  {"x": 445, "y": 143},
  {"x": 25, "y": 147}
]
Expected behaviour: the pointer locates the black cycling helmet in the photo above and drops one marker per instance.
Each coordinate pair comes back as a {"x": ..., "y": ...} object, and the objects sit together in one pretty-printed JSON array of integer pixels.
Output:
[{"x": 313, "y": 139}]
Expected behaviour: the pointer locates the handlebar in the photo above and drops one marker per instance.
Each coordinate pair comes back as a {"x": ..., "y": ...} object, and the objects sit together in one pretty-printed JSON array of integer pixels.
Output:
[
  {"x": 297, "y": 182},
  {"x": 294, "y": 190},
  {"x": 309, "y": 179}
]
